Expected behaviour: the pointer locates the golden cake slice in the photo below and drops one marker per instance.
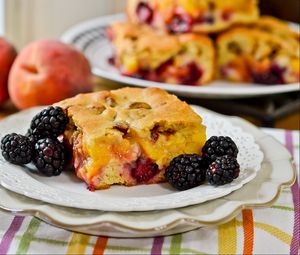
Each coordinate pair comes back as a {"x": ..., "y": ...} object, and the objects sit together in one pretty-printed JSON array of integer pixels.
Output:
[
  {"x": 281, "y": 29},
  {"x": 128, "y": 136},
  {"x": 264, "y": 53},
  {"x": 199, "y": 16},
  {"x": 152, "y": 55}
]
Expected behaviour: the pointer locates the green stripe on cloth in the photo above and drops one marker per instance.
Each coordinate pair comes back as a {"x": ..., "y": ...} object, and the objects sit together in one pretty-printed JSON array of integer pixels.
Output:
[
  {"x": 175, "y": 247},
  {"x": 286, "y": 208},
  {"x": 28, "y": 236},
  {"x": 50, "y": 241},
  {"x": 286, "y": 191},
  {"x": 124, "y": 248}
]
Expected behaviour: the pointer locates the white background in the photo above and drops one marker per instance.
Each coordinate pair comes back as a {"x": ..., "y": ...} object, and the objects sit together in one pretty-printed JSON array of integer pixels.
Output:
[
  {"x": 1, "y": 17},
  {"x": 28, "y": 20}
]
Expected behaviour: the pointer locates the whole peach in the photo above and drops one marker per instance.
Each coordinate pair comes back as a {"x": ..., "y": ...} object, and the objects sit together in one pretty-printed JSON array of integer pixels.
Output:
[
  {"x": 47, "y": 71},
  {"x": 7, "y": 56}
]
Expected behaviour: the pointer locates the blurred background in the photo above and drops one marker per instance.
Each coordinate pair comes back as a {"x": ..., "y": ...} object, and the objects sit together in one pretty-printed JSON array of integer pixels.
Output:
[{"x": 26, "y": 20}]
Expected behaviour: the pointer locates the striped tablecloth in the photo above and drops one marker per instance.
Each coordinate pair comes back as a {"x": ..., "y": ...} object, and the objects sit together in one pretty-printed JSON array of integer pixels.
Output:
[{"x": 273, "y": 230}]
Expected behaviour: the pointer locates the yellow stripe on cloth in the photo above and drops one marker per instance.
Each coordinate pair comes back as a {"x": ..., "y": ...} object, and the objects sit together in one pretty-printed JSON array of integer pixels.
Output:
[
  {"x": 228, "y": 238},
  {"x": 78, "y": 244},
  {"x": 281, "y": 235},
  {"x": 276, "y": 232}
]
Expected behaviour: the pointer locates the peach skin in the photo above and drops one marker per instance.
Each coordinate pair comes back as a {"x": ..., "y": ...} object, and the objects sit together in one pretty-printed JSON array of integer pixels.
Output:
[
  {"x": 48, "y": 71},
  {"x": 7, "y": 57}
]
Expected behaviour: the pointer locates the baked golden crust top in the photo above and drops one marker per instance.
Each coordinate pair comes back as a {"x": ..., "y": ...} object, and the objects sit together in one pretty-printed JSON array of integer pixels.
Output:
[
  {"x": 255, "y": 42},
  {"x": 144, "y": 38},
  {"x": 281, "y": 30},
  {"x": 276, "y": 26},
  {"x": 126, "y": 108},
  {"x": 150, "y": 47}
]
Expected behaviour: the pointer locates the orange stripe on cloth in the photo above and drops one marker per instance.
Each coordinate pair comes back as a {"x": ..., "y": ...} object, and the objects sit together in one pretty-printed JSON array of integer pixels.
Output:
[
  {"x": 100, "y": 245},
  {"x": 78, "y": 244},
  {"x": 228, "y": 237},
  {"x": 248, "y": 226}
]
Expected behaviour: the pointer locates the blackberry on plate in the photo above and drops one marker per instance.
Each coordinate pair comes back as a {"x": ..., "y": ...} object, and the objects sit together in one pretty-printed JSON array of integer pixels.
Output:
[
  {"x": 16, "y": 149},
  {"x": 50, "y": 122},
  {"x": 49, "y": 156},
  {"x": 223, "y": 170},
  {"x": 33, "y": 137},
  {"x": 186, "y": 171},
  {"x": 217, "y": 146}
]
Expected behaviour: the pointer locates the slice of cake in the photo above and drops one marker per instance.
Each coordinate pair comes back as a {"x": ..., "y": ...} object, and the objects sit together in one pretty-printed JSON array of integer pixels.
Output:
[
  {"x": 281, "y": 29},
  {"x": 199, "y": 16},
  {"x": 264, "y": 53},
  {"x": 129, "y": 136},
  {"x": 152, "y": 55}
]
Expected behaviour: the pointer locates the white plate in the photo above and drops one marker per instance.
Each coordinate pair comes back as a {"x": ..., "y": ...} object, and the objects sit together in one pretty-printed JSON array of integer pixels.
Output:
[
  {"x": 68, "y": 190},
  {"x": 262, "y": 191},
  {"x": 90, "y": 37}
]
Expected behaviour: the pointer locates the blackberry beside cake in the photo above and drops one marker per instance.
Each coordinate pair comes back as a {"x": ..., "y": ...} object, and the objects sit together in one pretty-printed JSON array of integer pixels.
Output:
[
  {"x": 199, "y": 16},
  {"x": 129, "y": 136},
  {"x": 264, "y": 53},
  {"x": 144, "y": 53}
]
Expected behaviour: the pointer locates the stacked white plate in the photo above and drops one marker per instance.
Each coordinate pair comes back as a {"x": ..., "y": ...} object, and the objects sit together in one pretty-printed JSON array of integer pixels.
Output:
[{"x": 148, "y": 210}]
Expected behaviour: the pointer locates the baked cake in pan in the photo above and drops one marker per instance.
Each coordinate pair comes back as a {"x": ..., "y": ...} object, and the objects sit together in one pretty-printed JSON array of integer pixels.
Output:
[
  {"x": 128, "y": 136},
  {"x": 148, "y": 54},
  {"x": 199, "y": 16},
  {"x": 264, "y": 53}
]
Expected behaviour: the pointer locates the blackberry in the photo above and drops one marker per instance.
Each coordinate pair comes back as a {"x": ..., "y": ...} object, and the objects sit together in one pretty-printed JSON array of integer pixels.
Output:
[
  {"x": 223, "y": 170},
  {"x": 49, "y": 156},
  {"x": 33, "y": 137},
  {"x": 50, "y": 122},
  {"x": 217, "y": 146},
  {"x": 186, "y": 171},
  {"x": 16, "y": 149}
]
